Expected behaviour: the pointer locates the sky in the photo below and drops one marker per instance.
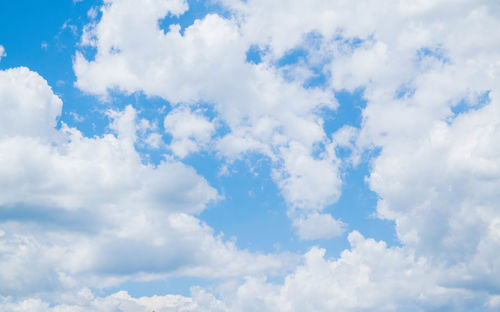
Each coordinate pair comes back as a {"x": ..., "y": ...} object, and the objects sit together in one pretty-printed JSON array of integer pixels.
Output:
[{"x": 230, "y": 155}]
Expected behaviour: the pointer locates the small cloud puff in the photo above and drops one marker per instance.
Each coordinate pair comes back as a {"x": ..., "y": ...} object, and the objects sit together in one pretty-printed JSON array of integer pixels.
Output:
[
  {"x": 318, "y": 226},
  {"x": 2, "y": 52},
  {"x": 190, "y": 131}
]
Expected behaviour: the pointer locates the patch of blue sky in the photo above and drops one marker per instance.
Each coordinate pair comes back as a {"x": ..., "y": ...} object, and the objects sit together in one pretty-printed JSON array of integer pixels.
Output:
[
  {"x": 348, "y": 112},
  {"x": 432, "y": 52},
  {"x": 357, "y": 204},
  {"x": 252, "y": 211},
  {"x": 255, "y": 54},
  {"x": 292, "y": 57},
  {"x": 37, "y": 39},
  {"x": 471, "y": 103}
]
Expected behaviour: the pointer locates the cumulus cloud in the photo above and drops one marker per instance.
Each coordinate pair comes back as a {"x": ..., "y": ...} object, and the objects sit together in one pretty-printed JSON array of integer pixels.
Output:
[
  {"x": 264, "y": 112},
  {"x": 430, "y": 82},
  {"x": 87, "y": 211},
  {"x": 370, "y": 276},
  {"x": 428, "y": 71},
  {"x": 308, "y": 183},
  {"x": 190, "y": 131},
  {"x": 35, "y": 113}
]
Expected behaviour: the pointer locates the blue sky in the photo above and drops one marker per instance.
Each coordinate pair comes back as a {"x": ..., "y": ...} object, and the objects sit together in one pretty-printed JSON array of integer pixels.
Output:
[{"x": 248, "y": 156}]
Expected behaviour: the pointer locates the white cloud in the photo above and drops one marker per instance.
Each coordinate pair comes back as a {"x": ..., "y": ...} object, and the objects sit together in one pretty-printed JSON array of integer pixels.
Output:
[
  {"x": 2, "y": 52},
  {"x": 370, "y": 276},
  {"x": 265, "y": 112},
  {"x": 76, "y": 117},
  {"x": 318, "y": 226},
  {"x": 190, "y": 131},
  {"x": 306, "y": 182},
  {"x": 154, "y": 140},
  {"x": 87, "y": 211},
  {"x": 32, "y": 114},
  {"x": 85, "y": 301},
  {"x": 92, "y": 13},
  {"x": 436, "y": 175},
  {"x": 441, "y": 191}
]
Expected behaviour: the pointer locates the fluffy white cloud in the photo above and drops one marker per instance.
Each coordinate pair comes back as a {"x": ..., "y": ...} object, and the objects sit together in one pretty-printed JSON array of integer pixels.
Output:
[
  {"x": 441, "y": 189},
  {"x": 190, "y": 131},
  {"x": 87, "y": 211},
  {"x": 33, "y": 114},
  {"x": 431, "y": 88},
  {"x": 370, "y": 276},
  {"x": 429, "y": 72},
  {"x": 316, "y": 226},
  {"x": 308, "y": 183},
  {"x": 80, "y": 172},
  {"x": 264, "y": 112},
  {"x": 436, "y": 174}
]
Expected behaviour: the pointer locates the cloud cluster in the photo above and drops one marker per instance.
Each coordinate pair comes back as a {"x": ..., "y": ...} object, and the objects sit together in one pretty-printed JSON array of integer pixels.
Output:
[
  {"x": 370, "y": 276},
  {"x": 87, "y": 211},
  {"x": 428, "y": 71},
  {"x": 265, "y": 112}
]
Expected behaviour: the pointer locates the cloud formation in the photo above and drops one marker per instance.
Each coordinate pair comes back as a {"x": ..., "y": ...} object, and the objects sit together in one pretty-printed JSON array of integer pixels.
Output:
[
  {"x": 417, "y": 63},
  {"x": 87, "y": 211},
  {"x": 427, "y": 71},
  {"x": 266, "y": 113}
]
